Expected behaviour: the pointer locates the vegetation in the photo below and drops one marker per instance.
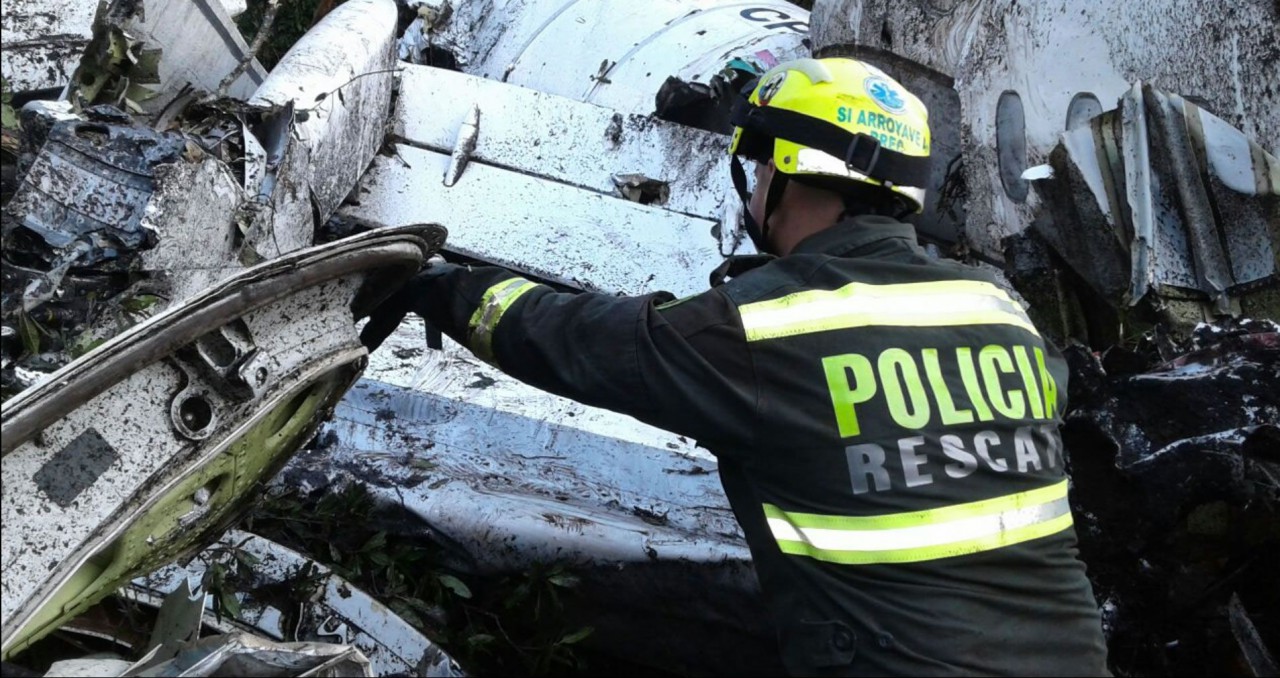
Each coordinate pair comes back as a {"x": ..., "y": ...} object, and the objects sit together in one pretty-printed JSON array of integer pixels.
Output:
[
  {"x": 502, "y": 626},
  {"x": 292, "y": 20}
]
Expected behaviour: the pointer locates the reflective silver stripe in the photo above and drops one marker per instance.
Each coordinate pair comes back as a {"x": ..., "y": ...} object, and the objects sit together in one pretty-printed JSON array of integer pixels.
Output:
[
  {"x": 923, "y": 535},
  {"x": 488, "y": 314},
  {"x": 926, "y": 304}
]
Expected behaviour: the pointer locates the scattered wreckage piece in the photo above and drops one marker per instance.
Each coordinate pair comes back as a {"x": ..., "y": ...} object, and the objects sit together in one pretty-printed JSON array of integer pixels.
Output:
[
  {"x": 553, "y": 166},
  {"x": 235, "y": 654},
  {"x": 1177, "y": 483},
  {"x": 45, "y": 41},
  {"x": 113, "y": 222},
  {"x": 211, "y": 396},
  {"x": 338, "y": 79},
  {"x": 112, "y": 212},
  {"x": 623, "y": 51},
  {"x": 1168, "y": 195},
  {"x": 1161, "y": 208},
  {"x": 156, "y": 55},
  {"x": 82, "y": 204},
  {"x": 1026, "y": 71},
  {"x": 243, "y": 654},
  {"x": 504, "y": 478},
  {"x": 285, "y": 596}
]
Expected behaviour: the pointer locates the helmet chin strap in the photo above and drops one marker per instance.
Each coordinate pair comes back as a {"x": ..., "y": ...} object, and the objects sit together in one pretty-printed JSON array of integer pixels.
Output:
[{"x": 777, "y": 185}]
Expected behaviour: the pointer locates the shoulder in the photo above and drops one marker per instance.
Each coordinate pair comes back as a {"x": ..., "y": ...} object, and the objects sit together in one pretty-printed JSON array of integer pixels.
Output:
[{"x": 776, "y": 278}]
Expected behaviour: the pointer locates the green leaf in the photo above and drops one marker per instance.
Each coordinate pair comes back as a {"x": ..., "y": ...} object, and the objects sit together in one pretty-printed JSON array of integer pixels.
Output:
[
  {"x": 376, "y": 542},
  {"x": 139, "y": 303},
  {"x": 517, "y": 596},
  {"x": 30, "y": 334},
  {"x": 84, "y": 344},
  {"x": 380, "y": 558},
  {"x": 577, "y": 636},
  {"x": 230, "y": 604},
  {"x": 454, "y": 584},
  {"x": 480, "y": 640},
  {"x": 406, "y": 613},
  {"x": 246, "y": 559},
  {"x": 8, "y": 117},
  {"x": 419, "y": 604},
  {"x": 564, "y": 580}
]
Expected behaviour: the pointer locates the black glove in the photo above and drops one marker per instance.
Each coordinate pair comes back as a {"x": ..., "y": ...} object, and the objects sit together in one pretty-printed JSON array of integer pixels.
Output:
[{"x": 410, "y": 298}]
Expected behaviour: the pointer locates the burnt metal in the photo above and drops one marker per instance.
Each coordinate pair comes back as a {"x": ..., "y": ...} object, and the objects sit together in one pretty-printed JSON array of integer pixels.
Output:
[
  {"x": 1256, "y": 655},
  {"x": 1176, "y": 488},
  {"x": 90, "y": 185}
]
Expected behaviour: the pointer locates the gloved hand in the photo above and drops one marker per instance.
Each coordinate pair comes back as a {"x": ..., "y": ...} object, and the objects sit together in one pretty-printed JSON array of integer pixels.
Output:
[{"x": 410, "y": 298}]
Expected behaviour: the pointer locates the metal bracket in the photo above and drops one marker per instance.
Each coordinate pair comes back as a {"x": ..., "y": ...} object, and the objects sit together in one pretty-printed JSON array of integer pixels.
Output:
[{"x": 463, "y": 147}]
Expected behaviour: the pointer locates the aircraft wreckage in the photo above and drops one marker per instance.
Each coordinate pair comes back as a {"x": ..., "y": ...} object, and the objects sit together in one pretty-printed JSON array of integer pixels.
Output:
[{"x": 190, "y": 242}]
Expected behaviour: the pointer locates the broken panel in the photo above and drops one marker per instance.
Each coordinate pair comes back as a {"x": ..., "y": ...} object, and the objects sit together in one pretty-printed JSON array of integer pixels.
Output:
[
  {"x": 1051, "y": 53},
  {"x": 623, "y": 51},
  {"x": 337, "y": 612},
  {"x": 338, "y": 79},
  {"x": 1162, "y": 198},
  {"x": 200, "y": 424}
]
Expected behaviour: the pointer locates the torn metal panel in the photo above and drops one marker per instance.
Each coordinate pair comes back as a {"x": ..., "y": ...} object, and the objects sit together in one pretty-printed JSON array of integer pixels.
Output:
[
  {"x": 193, "y": 215},
  {"x": 105, "y": 198},
  {"x": 199, "y": 46},
  {"x": 502, "y": 477},
  {"x": 564, "y": 140},
  {"x": 1146, "y": 204},
  {"x": 623, "y": 51},
  {"x": 545, "y": 228},
  {"x": 1051, "y": 55},
  {"x": 77, "y": 225},
  {"x": 91, "y": 185},
  {"x": 205, "y": 400},
  {"x": 338, "y": 78},
  {"x": 1254, "y": 650},
  {"x": 112, "y": 223},
  {"x": 337, "y": 612},
  {"x": 279, "y": 215},
  {"x": 43, "y": 41},
  {"x": 243, "y": 655}
]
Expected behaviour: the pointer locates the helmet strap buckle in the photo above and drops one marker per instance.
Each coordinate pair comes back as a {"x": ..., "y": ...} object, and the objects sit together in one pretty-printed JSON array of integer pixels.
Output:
[{"x": 862, "y": 154}]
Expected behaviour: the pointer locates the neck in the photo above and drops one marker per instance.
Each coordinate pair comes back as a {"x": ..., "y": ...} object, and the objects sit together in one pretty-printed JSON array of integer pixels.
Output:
[{"x": 800, "y": 217}]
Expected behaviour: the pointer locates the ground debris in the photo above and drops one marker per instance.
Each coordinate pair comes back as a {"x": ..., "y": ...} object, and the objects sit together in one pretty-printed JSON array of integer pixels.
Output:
[{"x": 1176, "y": 470}]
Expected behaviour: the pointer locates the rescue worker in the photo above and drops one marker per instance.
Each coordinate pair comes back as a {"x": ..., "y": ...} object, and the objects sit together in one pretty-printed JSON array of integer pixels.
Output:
[{"x": 886, "y": 423}]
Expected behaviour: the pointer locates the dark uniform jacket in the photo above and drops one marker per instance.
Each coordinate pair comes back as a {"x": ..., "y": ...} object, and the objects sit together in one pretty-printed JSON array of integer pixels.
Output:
[{"x": 887, "y": 430}]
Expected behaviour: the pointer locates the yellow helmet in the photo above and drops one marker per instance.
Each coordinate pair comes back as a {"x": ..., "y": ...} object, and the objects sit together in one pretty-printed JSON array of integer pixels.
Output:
[{"x": 837, "y": 122}]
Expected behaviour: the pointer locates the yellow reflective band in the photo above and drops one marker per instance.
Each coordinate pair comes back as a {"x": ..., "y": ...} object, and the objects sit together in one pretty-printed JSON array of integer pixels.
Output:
[
  {"x": 930, "y": 304},
  {"x": 493, "y": 304},
  {"x": 923, "y": 535}
]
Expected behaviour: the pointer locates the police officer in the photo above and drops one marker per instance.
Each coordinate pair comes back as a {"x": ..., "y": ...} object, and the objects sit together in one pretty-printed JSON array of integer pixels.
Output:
[{"x": 886, "y": 423}]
